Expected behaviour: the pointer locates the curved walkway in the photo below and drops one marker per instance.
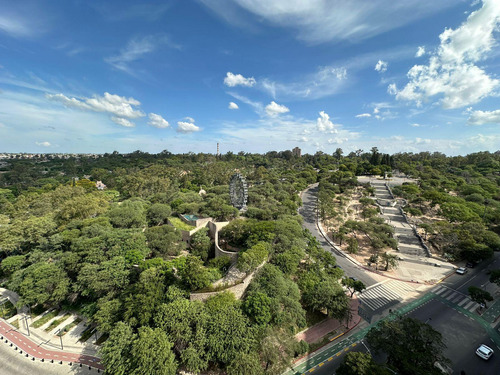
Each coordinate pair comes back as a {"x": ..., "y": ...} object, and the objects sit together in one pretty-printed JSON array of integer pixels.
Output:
[{"x": 9, "y": 335}]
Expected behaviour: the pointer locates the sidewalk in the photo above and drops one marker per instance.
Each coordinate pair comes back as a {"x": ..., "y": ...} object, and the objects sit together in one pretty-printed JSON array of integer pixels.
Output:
[
  {"x": 26, "y": 346},
  {"x": 323, "y": 328}
]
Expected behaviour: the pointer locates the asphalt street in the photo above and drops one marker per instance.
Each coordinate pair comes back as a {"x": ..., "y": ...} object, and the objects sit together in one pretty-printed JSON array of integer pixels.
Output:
[
  {"x": 308, "y": 212},
  {"x": 462, "y": 336}
]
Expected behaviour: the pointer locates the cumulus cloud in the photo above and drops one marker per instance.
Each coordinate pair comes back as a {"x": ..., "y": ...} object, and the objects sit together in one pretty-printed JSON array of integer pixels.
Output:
[
  {"x": 420, "y": 51},
  {"x": 422, "y": 141},
  {"x": 117, "y": 105},
  {"x": 362, "y": 115},
  {"x": 122, "y": 121},
  {"x": 121, "y": 108},
  {"x": 232, "y": 80},
  {"x": 381, "y": 66},
  {"x": 43, "y": 144},
  {"x": 452, "y": 71},
  {"x": 484, "y": 117},
  {"x": 157, "y": 121},
  {"x": 274, "y": 109},
  {"x": 187, "y": 127},
  {"x": 416, "y": 125},
  {"x": 233, "y": 105},
  {"x": 324, "y": 123}
]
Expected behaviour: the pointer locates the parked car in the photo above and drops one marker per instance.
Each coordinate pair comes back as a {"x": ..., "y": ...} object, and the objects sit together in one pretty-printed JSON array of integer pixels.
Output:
[
  {"x": 470, "y": 265},
  {"x": 485, "y": 352},
  {"x": 461, "y": 270}
]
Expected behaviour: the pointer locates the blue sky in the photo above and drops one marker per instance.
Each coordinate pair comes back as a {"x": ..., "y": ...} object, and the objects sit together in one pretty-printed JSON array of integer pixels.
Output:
[{"x": 254, "y": 75}]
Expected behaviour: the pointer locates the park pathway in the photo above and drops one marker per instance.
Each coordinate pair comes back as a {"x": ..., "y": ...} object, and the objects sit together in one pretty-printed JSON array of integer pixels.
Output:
[{"x": 28, "y": 348}]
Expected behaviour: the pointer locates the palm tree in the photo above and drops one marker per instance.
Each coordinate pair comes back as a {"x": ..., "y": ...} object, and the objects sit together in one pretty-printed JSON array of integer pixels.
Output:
[{"x": 391, "y": 260}]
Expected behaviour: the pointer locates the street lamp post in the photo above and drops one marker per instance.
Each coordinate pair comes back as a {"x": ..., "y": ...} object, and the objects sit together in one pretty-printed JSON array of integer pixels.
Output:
[{"x": 59, "y": 333}]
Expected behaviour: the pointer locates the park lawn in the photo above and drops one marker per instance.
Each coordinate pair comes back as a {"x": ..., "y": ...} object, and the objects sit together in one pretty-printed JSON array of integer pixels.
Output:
[
  {"x": 56, "y": 322},
  {"x": 69, "y": 326},
  {"x": 44, "y": 319},
  {"x": 179, "y": 224},
  {"x": 7, "y": 310}
]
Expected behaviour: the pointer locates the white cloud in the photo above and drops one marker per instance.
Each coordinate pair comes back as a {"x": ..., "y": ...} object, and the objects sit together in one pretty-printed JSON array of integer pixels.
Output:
[
  {"x": 327, "y": 80},
  {"x": 187, "y": 127},
  {"x": 416, "y": 125},
  {"x": 189, "y": 119},
  {"x": 122, "y": 121},
  {"x": 157, "y": 121},
  {"x": 484, "y": 117},
  {"x": 119, "y": 106},
  {"x": 422, "y": 141},
  {"x": 136, "y": 49},
  {"x": 318, "y": 21},
  {"x": 233, "y": 105},
  {"x": 43, "y": 144},
  {"x": 324, "y": 123},
  {"x": 232, "y": 80},
  {"x": 362, "y": 115},
  {"x": 381, "y": 66},
  {"x": 14, "y": 26},
  {"x": 420, "y": 51},
  {"x": 274, "y": 109},
  {"x": 452, "y": 71}
]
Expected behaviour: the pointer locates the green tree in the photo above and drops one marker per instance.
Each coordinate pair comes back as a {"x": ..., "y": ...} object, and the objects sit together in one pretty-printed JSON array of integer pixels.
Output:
[
  {"x": 115, "y": 352},
  {"x": 390, "y": 260},
  {"x": 164, "y": 240},
  {"x": 257, "y": 306},
  {"x": 253, "y": 257},
  {"x": 478, "y": 295},
  {"x": 151, "y": 353},
  {"x": 358, "y": 363},
  {"x": 412, "y": 347},
  {"x": 353, "y": 245},
  {"x": 13, "y": 263},
  {"x": 158, "y": 214},
  {"x": 128, "y": 214},
  {"x": 353, "y": 285},
  {"x": 99, "y": 279},
  {"x": 41, "y": 283},
  {"x": 494, "y": 276},
  {"x": 200, "y": 244},
  {"x": 245, "y": 364},
  {"x": 194, "y": 275}
]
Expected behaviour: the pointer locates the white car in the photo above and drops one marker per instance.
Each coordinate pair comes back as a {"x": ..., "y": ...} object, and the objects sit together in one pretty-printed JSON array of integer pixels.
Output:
[
  {"x": 485, "y": 352},
  {"x": 461, "y": 270}
]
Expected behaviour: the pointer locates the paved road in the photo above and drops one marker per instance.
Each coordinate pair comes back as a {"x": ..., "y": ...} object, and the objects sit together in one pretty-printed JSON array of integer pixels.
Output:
[
  {"x": 462, "y": 334},
  {"x": 27, "y": 346},
  {"x": 308, "y": 212}
]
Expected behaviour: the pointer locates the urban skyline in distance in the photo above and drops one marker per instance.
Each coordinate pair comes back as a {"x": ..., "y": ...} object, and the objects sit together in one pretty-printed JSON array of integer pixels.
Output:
[{"x": 83, "y": 78}]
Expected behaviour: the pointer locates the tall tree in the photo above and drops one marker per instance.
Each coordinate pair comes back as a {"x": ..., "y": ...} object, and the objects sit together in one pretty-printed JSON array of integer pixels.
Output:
[{"x": 412, "y": 347}]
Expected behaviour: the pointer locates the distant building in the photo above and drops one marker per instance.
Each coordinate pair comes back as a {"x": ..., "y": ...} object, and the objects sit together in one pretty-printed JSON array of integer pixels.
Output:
[
  {"x": 100, "y": 186},
  {"x": 297, "y": 152}
]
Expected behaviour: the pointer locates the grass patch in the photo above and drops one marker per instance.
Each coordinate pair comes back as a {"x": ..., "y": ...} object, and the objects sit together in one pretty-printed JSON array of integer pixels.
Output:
[
  {"x": 37, "y": 310},
  {"x": 87, "y": 334},
  {"x": 7, "y": 310},
  {"x": 69, "y": 326},
  {"x": 314, "y": 317},
  {"x": 44, "y": 319},
  {"x": 179, "y": 224},
  {"x": 56, "y": 322},
  {"x": 325, "y": 340},
  {"x": 15, "y": 323},
  {"x": 101, "y": 339}
]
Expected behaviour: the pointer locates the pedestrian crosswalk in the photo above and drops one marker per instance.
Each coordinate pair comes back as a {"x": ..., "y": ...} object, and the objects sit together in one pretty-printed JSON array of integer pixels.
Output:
[
  {"x": 455, "y": 297},
  {"x": 384, "y": 295}
]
